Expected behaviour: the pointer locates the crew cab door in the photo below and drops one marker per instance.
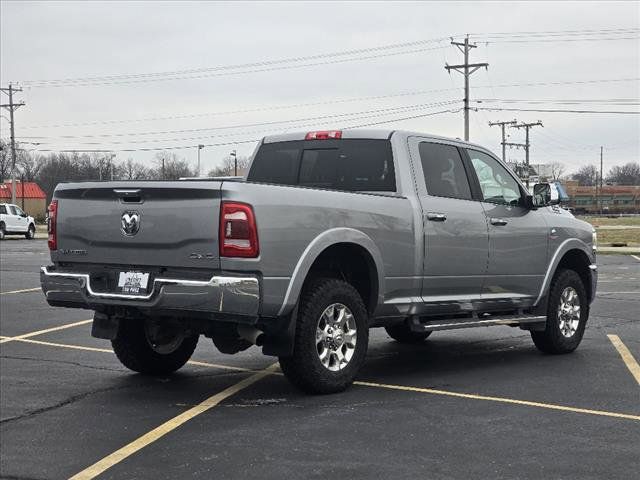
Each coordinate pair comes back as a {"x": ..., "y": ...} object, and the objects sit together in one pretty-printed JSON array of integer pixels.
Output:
[
  {"x": 518, "y": 236},
  {"x": 11, "y": 219},
  {"x": 20, "y": 220},
  {"x": 455, "y": 229}
]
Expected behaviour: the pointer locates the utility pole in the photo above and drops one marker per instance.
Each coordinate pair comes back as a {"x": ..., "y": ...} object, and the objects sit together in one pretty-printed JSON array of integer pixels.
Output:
[
  {"x": 504, "y": 137},
  {"x": 600, "y": 197},
  {"x": 12, "y": 107},
  {"x": 235, "y": 163},
  {"x": 527, "y": 144},
  {"x": 467, "y": 70},
  {"x": 200, "y": 147}
]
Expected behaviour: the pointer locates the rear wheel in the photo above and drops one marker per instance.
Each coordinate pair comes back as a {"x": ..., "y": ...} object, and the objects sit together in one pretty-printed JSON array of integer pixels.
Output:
[
  {"x": 331, "y": 338},
  {"x": 567, "y": 314},
  {"x": 152, "y": 348},
  {"x": 401, "y": 333},
  {"x": 31, "y": 232}
]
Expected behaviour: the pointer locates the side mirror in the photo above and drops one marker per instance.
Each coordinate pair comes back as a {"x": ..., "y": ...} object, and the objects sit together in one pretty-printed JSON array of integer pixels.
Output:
[
  {"x": 23, "y": 215},
  {"x": 545, "y": 194}
]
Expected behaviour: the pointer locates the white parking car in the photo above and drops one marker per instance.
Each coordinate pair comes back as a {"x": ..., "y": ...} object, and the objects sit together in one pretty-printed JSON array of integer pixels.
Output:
[{"x": 13, "y": 221}]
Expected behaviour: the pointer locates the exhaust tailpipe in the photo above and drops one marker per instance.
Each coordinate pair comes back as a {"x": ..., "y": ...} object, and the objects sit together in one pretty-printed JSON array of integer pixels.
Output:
[{"x": 251, "y": 334}]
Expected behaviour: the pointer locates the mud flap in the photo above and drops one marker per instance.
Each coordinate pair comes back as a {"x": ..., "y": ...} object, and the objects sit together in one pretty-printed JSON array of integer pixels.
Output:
[{"x": 279, "y": 337}]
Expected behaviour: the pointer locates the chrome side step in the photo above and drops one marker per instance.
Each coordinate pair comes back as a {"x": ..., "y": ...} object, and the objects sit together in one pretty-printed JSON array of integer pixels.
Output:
[{"x": 425, "y": 325}]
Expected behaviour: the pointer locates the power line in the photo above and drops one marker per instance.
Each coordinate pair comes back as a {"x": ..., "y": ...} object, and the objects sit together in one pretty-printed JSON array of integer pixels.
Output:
[
  {"x": 556, "y": 110},
  {"x": 128, "y": 79},
  {"x": 300, "y": 105},
  {"x": 277, "y": 122},
  {"x": 185, "y": 147}
]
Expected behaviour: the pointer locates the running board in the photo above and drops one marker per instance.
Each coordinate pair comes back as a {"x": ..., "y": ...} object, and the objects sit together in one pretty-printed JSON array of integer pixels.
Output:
[{"x": 417, "y": 325}]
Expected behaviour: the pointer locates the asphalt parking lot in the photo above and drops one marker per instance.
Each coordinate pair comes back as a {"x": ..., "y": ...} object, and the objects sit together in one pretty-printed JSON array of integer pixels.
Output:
[{"x": 475, "y": 403}]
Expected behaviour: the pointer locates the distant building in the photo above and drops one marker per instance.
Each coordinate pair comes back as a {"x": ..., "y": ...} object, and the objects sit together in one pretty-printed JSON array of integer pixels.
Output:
[
  {"x": 612, "y": 199},
  {"x": 29, "y": 196}
]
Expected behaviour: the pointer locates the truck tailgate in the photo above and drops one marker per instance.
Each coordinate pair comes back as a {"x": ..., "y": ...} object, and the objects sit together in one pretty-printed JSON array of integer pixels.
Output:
[{"x": 161, "y": 224}]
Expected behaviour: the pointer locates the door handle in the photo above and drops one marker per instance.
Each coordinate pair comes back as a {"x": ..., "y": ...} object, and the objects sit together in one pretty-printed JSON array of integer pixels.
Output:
[
  {"x": 436, "y": 217},
  {"x": 498, "y": 221}
]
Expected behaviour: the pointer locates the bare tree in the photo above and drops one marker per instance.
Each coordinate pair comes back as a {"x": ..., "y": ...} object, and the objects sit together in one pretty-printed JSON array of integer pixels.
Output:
[
  {"x": 627, "y": 174},
  {"x": 131, "y": 170},
  {"x": 170, "y": 166},
  {"x": 28, "y": 165},
  {"x": 228, "y": 167},
  {"x": 587, "y": 175},
  {"x": 556, "y": 169},
  {"x": 5, "y": 161}
]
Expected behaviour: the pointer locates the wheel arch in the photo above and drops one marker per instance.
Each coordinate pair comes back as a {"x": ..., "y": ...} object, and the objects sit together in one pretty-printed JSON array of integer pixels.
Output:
[
  {"x": 340, "y": 252},
  {"x": 571, "y": 254}
]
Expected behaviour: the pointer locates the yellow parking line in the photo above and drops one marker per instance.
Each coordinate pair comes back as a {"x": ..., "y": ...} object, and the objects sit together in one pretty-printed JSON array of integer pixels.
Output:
[
  {"x": 21, "y": 291},
  {"x": 159, "y": 432},
  {"x": 627, "y": 358},
  {"x": 527, "y": 403},
  {"x": 48, "y": 330},
  {"x": 430, "y": 391},
  {"x": 62, "y": 345}
]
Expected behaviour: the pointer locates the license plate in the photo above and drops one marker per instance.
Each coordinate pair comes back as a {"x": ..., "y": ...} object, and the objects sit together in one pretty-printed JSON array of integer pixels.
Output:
[{"x": 133, "y": 282}]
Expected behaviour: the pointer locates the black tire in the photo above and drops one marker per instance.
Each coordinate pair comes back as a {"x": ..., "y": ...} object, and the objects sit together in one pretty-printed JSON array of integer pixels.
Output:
[
  {"x": 3, "y": 231},
  {"x": 401, "y": 333},
  {"x": 552, "y": 340},
  {"x": 31, "y": 232},
  {"x": 135, "y": 352},
  {"x": 304, "y": 368}
]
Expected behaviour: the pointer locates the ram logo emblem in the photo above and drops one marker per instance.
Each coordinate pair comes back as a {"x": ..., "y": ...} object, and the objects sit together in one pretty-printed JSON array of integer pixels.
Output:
[{"x": 130, "y": 223}]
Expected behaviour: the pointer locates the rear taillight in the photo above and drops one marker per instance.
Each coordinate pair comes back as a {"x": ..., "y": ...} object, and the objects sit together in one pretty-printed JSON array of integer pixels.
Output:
[
  {"x": 324, "y": 135},
  {"x": 238, "y": 232},
  {"x": 52, "y": 225}
]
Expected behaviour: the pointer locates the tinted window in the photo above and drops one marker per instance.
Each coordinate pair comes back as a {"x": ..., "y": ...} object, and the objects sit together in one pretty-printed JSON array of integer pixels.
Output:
[
  {"x": 367, "y": 165},
  {"x": 3, "y": 210},
  {"x": 496, "y": 183},
  {"x": 319, "y": 168},
  {"x": 349, "y": 164},
  {"x": 444, "y": 172},
  {"x": 276, "y": 163},
  {"x": 12, "y": 210}
]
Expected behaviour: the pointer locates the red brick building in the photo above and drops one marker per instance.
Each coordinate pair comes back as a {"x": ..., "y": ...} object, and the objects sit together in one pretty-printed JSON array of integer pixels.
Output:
[{"x": 612, "y": 199}]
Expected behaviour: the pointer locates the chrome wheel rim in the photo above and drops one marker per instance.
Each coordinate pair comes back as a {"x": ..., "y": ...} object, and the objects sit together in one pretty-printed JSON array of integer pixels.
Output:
[
  {"x": 569, "y": 312},
  {"x": 336, "y": 337},
  {"x": 162, "y": 340}
]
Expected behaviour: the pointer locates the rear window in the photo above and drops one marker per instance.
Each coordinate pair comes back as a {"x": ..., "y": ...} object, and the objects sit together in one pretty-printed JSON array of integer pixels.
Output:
[{"x": 346, "y": 164}]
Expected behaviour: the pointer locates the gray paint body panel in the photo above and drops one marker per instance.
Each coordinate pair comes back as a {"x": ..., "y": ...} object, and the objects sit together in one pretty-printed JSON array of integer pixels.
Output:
[{"x": 421, "y": 266}]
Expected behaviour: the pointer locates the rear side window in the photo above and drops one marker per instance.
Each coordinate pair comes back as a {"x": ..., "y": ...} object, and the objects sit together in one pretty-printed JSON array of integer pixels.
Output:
[
  {"x": 3, "y": 210},
  {"x": 444, "y": 173},
  {"x": 345, "y": 164},
  {"x": 276, "y": 163}
]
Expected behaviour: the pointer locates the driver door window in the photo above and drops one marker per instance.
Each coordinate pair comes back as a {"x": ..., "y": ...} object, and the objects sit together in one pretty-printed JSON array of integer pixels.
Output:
[{"x": 496, "y": 183}]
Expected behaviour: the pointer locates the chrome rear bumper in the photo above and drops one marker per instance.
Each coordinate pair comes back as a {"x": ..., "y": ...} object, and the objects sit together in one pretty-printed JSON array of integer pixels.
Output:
[{"x": 239, "y": 295}]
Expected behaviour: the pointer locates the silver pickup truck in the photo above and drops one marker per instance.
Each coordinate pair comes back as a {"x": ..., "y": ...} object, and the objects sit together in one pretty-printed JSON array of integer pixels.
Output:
[{"x": 330, "y": 233}]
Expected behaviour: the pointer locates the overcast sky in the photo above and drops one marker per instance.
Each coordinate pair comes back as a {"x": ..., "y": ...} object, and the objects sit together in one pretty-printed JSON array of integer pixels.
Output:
[{"x": 70, "y": 40}]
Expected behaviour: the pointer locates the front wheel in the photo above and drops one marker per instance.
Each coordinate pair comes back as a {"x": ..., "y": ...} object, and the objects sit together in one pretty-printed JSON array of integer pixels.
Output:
[
  {"x": 152, "y": 348},
  {"x": 567, "y": 314},
  {"x": 3, "y": 231},
  {"x": 331, "y": 339},
  {"x": 31, "y": 232}
]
